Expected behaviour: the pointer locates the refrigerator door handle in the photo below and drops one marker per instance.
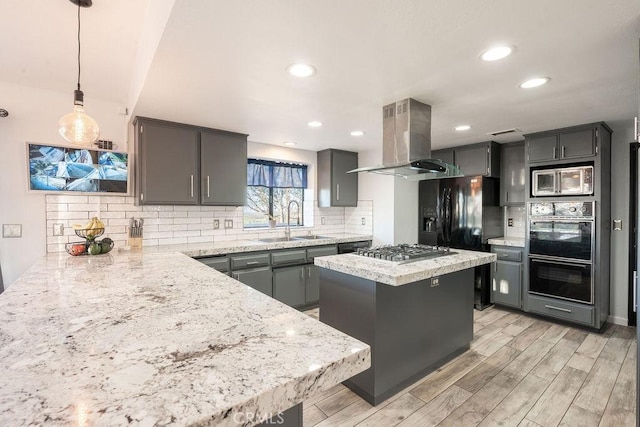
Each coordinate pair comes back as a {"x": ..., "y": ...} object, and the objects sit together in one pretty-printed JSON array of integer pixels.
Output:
[{"x": 635, "y": 291}]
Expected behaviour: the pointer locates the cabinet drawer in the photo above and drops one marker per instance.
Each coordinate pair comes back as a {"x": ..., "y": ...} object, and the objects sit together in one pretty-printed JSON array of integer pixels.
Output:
[
  {"x": 219, "y": 263},
  {"x": 249, "y": 261},
  {"x": 508, "y": 254},
  {"x": 321, "y": 251},
  {"x": 559, "y": 309},
  {"x": 297, "y": 256}
]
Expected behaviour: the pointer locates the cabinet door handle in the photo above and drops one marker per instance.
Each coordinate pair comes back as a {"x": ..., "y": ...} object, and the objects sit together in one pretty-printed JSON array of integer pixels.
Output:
[
  {"x": 562, "y": 152},
  {"x": 488, "y": 161},
  {"x": 191, "y": 185},
  {"x": 302, "y": 273},
  {"x": 309, "y": 272},
  {"x": 208, "y": 186},
  {"x": 495, "y": 266},
  {"x": 507, "y": 197},
  {"x": 636, "y": 131},
  {"x": 337, "y": 191},
  {"x": 253, "y": 262},
  {"x": 554, "y": 152},
  {"x": 551, "y": 307}
]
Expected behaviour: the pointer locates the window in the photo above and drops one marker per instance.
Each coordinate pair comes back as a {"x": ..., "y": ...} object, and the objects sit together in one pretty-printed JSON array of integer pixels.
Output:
[{"x": 271, "y": 187}]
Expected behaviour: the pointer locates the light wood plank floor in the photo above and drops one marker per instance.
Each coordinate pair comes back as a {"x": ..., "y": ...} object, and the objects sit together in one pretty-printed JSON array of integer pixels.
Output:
[{"x": 520, "y": 371}]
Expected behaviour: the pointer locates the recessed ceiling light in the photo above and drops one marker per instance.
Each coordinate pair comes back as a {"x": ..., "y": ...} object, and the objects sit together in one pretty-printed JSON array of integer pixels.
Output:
[
  {"x": 462, "y": 127},
  {"x": 357, "y": 133},
  {"x": 290, "y": 143},
  {"x": 301, "y": 70},
  {"x": 497, "y": 52},
  {"x": 314, "y": 124},
  {"x": 535, "y": 82}
]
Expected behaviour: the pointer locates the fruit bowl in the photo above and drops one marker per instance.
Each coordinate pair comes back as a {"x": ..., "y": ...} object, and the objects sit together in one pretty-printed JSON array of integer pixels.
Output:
[
  {"x": 89, "y": 233},
  {"x": 76, "y": 248}
]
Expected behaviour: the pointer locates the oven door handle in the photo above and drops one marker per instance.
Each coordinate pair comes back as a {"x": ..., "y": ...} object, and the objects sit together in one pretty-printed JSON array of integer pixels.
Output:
[{"x": 547, "y": 261}]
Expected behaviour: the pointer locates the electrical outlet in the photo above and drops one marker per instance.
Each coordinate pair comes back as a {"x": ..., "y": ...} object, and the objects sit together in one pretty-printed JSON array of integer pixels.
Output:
[
  {"x": 510, "y": 222},
  {"x": 216, "y": 224},
  {"x": 58, "y": 229},
  {"x": 228, "y": 223},
  {"x": 322, "y": 220},
  {"x": 363, "y": 221},
  {"x": 11, "y": 230}
]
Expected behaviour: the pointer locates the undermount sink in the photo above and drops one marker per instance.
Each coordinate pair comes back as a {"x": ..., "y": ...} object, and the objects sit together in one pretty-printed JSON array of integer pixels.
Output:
[
  {"x": 275, "y": 239},
  {"x": 292, "y": 239},
  {"x": 311, "y": 237}
]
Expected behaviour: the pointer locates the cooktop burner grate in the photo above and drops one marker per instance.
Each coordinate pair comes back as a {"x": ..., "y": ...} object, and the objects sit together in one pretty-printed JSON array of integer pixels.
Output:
[{"x": 404, "y": 252}]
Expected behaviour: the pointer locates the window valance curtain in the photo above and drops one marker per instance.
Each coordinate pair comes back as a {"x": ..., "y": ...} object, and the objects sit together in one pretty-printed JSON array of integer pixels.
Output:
[{"x": 267, "y": 173}]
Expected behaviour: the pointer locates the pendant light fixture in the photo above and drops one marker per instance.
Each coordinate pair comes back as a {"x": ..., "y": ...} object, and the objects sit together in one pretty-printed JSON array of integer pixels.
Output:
[{"x": 77, "y": 127}]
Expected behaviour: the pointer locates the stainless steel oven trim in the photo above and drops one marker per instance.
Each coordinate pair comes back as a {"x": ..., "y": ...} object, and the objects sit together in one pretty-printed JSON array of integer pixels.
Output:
[
  {"x": 592, "y": 249},
  {"x": 561, "y": 260},
  {"x": 566, "y": 261}
]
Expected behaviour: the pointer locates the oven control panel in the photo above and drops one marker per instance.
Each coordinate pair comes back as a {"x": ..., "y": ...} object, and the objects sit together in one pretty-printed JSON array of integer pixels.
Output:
[{"x": 562, "y": 209}]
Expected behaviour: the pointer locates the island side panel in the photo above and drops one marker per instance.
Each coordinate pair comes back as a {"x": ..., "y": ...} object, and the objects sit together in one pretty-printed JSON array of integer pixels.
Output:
[{"x": 412, "y": 329}]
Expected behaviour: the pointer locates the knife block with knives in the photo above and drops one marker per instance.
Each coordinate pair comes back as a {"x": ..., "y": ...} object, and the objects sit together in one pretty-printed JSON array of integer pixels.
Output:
[{"x": 135, "y": 232}]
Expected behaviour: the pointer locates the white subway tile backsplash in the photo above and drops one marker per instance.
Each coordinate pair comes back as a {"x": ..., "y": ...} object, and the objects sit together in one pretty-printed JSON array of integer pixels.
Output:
[{"x": 187, "y": 224}]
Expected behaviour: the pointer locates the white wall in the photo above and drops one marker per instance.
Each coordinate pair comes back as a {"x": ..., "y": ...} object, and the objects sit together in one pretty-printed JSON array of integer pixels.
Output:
[
  {"x": 33, "y": 117},
  {"x": 621, "y": 137}
]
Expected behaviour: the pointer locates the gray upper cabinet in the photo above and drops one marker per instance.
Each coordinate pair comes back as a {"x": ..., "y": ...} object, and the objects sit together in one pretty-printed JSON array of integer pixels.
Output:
[
  {"x": 512, "y": 176},
  {"x": 445, "y": 155},
  {"x": 570, "y": 143},
  {"x": 167, "y": 163},
  {"x": 180, "y": 164},
  {"x": 223, "y": 166},
  {"x": 335, "y": 186},
  {"x": 476, "y": 159}
]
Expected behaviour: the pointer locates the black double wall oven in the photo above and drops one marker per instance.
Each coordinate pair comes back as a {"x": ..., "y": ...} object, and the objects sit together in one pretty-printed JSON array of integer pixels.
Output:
[{"x": 561, "y": 250}]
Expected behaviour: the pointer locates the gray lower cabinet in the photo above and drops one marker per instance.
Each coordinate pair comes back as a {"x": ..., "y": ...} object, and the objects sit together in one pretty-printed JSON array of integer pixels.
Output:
[
  {"x": 289, "y": 285},
  {"x": 287, "y": 275},
  {"x": 335, "y": 186},
  {"x": 257, "y": 278},
  {"x": 506, "y": 277},
  {"x": 563, "y": 310}
]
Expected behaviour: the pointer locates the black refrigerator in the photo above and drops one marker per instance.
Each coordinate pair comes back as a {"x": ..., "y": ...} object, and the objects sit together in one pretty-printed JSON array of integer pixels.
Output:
[{"x": 462, "y": 213}]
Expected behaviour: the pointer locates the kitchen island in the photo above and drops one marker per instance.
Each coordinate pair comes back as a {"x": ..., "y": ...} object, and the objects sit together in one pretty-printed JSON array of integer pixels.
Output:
[
  {"x": 143, "y": 338},
  {"x": 415, "y": 316}
]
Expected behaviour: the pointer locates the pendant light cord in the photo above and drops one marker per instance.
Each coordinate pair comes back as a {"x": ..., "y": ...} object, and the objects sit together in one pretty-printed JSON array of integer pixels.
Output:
[{"x": 78, "y": 45}]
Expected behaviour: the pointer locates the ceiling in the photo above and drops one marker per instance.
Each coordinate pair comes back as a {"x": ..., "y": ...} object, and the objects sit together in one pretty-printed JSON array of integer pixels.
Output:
[{"x": 222, "y": 63}]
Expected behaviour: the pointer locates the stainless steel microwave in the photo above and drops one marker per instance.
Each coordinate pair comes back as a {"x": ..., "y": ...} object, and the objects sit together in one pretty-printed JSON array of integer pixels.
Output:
[{"x": 562, "y": 181}]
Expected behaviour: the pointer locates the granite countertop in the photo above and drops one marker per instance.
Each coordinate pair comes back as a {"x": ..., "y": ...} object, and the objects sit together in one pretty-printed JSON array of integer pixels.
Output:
[
  {"x": 235, "y": 246},
  {"x": 507, "y": 241},
  {"x": 145, "y": 338},
  {"x": 394, "y": 274}
]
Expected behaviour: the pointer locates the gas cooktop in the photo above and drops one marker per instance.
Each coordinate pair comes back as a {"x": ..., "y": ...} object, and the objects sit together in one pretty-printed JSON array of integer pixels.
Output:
[{"x": 404, "y": 253}]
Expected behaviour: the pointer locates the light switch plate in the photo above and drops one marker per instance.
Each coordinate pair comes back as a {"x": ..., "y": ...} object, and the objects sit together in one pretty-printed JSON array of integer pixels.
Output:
[
  {"x": 228, "y": 223},
  {"x": 510, "y": 222},
  {"x": 322, "y": 220},
  {"x": 216, "y": 224},
  {"x": 363, "y": 221},
  {"x": 617, "y": 224},
  {"x": 11, "y": 230}
]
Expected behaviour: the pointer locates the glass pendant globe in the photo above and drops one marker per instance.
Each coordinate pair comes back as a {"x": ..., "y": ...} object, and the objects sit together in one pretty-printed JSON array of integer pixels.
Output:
[{"x": 78, "y": 128}]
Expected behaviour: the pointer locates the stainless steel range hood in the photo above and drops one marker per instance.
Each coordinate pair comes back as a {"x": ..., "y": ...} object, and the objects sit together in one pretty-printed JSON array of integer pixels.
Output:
[{"x": 406, "y": 144}]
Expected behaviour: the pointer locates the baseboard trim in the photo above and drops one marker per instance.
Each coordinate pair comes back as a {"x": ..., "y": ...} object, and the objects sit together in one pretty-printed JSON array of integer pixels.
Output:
[{"x": 617, "y": 320}]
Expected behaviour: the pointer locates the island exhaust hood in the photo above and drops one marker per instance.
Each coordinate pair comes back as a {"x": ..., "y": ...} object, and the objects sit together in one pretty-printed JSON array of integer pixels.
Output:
[{"x": 406, "y": 144}]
